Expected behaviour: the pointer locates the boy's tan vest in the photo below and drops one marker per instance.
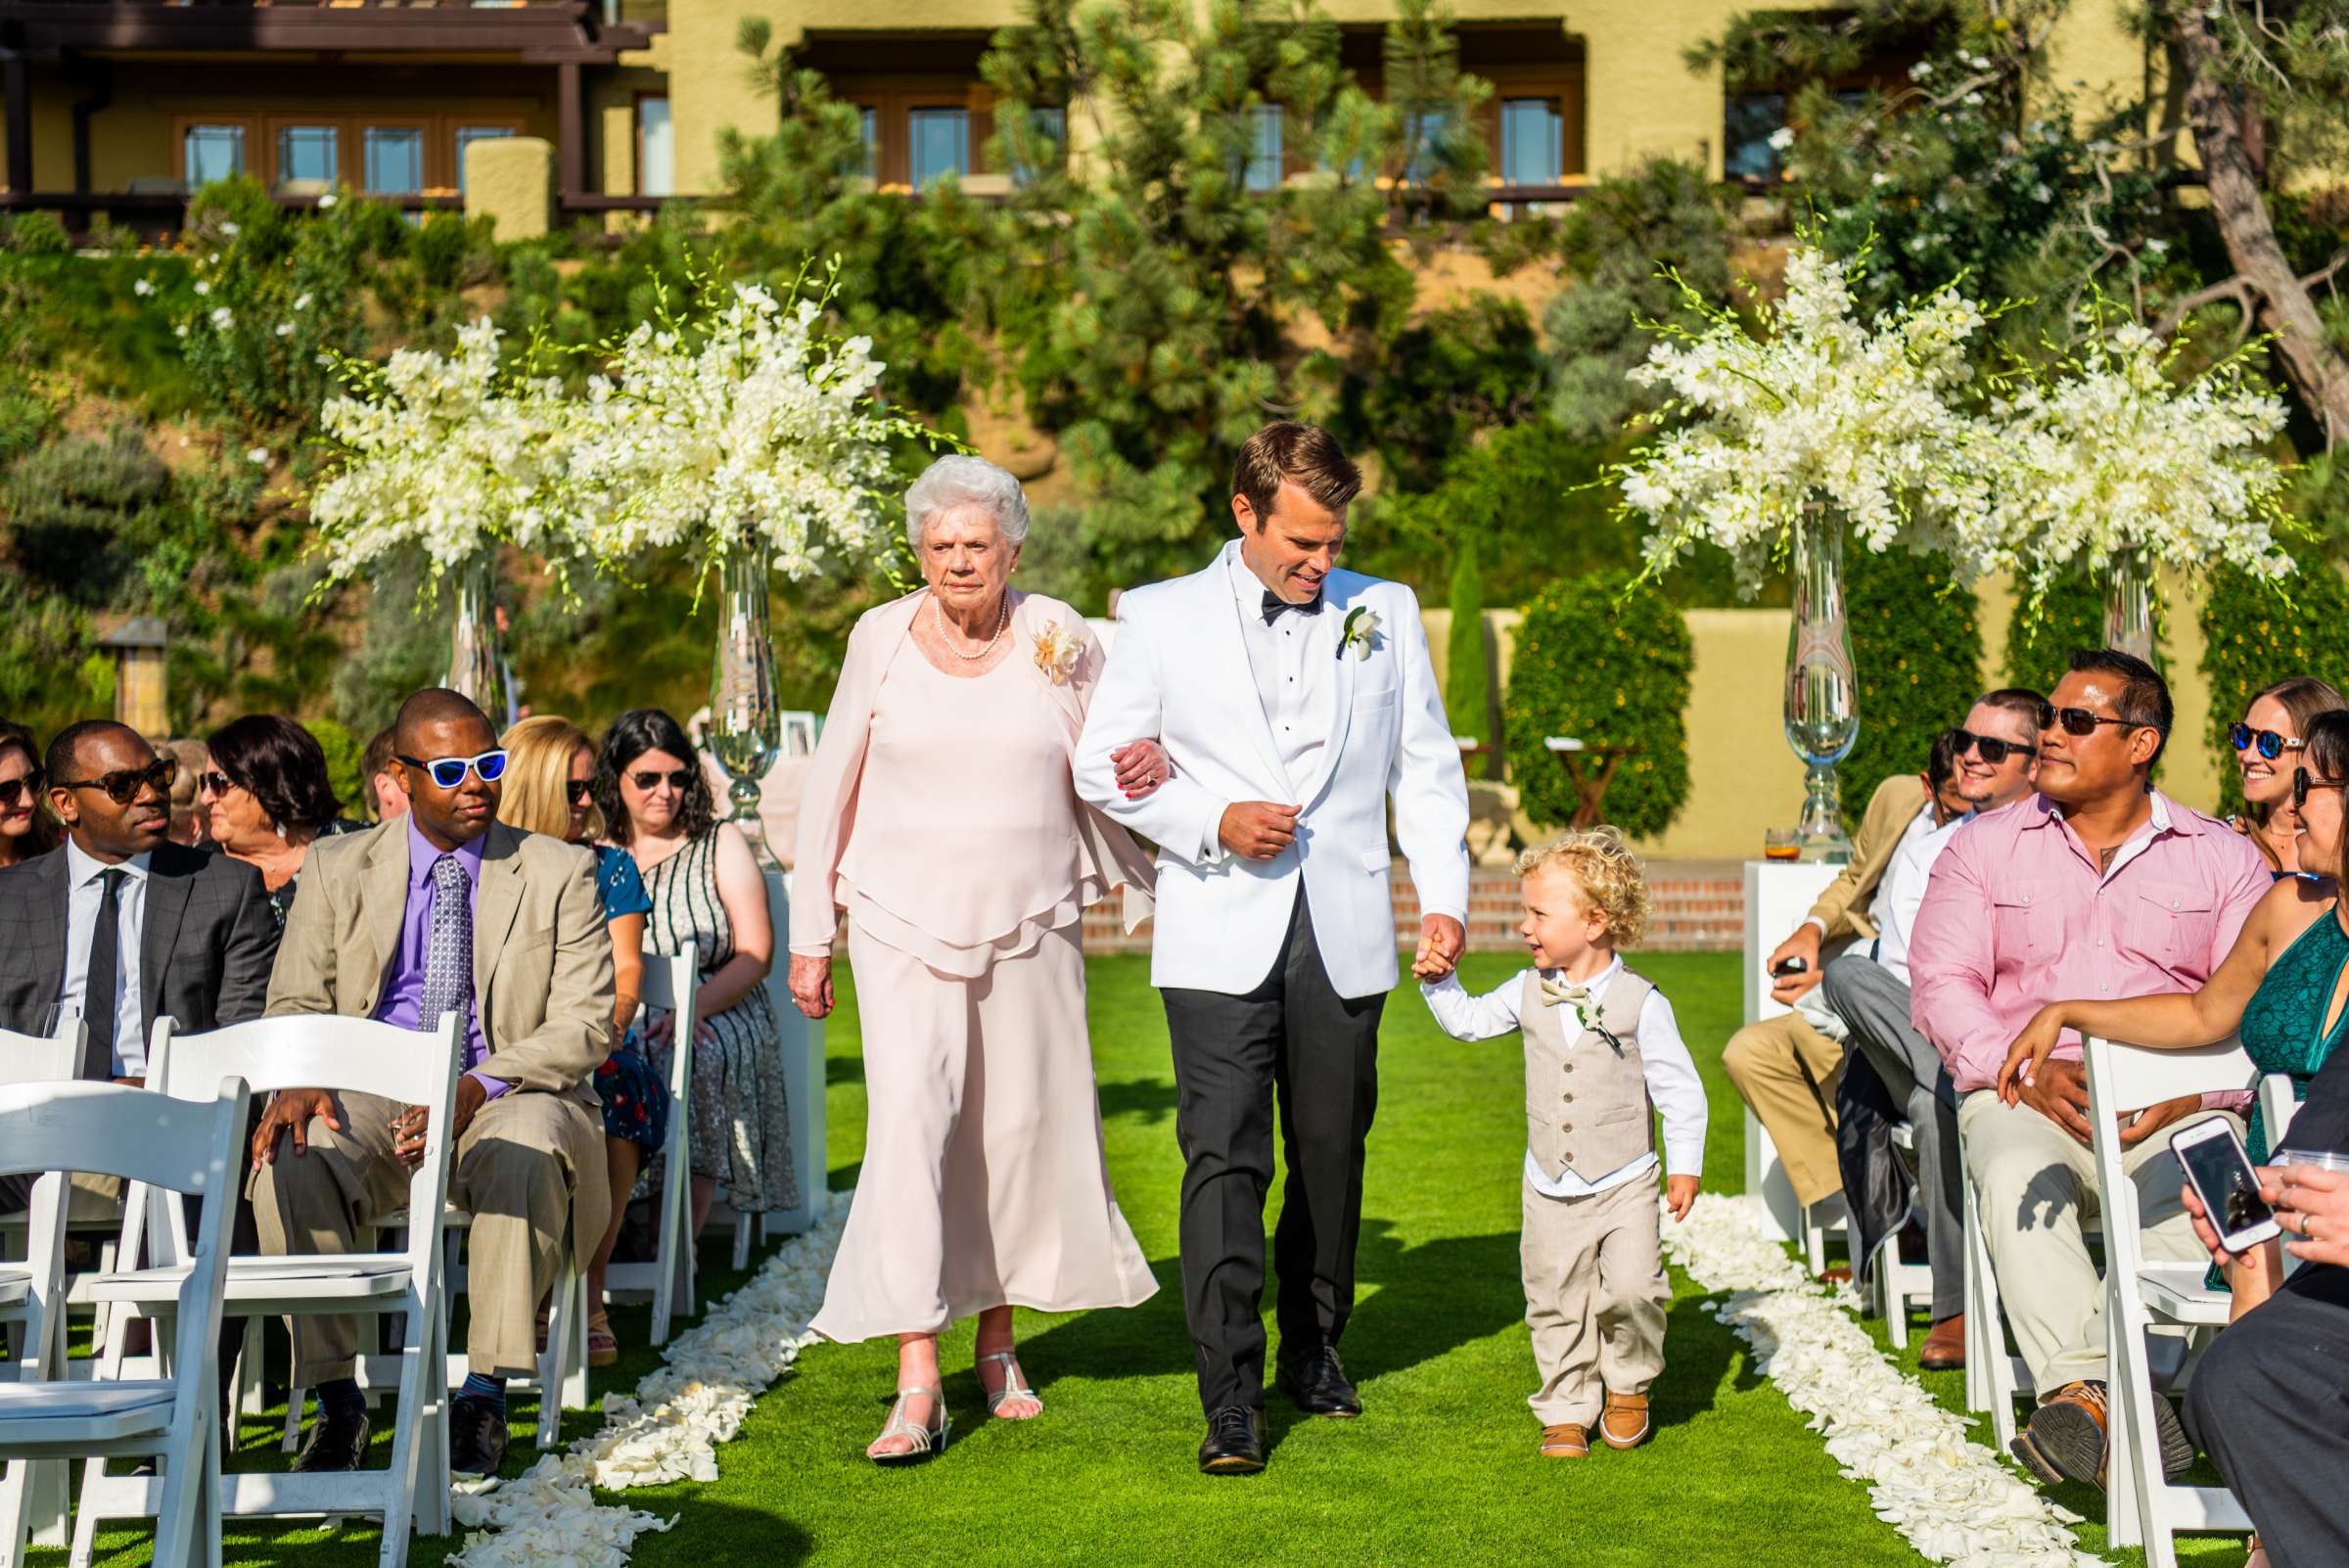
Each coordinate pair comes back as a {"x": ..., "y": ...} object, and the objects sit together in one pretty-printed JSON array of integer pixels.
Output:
[{"x": 1587, "y": 1108}]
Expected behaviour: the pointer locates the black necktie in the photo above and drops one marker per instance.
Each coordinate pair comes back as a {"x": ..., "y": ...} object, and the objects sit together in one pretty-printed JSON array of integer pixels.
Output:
[
  {"x": 104, "y": 985},
  {"x": 1274, "y": 604}
]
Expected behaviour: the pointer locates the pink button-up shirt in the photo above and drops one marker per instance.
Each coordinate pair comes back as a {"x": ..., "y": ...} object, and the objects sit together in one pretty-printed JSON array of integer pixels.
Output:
[{"x": 2018, "y": 915}]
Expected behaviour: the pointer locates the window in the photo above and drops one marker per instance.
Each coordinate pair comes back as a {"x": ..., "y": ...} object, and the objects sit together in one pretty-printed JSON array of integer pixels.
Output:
[
  {"x": 212, "y": 153},
  {"x": 656, "y": 149},
  {"x": 1429, "y": 129},
  {"x": 467, "y": 135},
  {"x": 1533, "y": 142},
  {"x": 938, "y": 143},
  {"x": 1265, "y": 161},
  {"x": 308, "y": 153},
  {"x": 394, "y": 158},
  {"x": 871, "y": 131},
  {"x": 1746, "y": 150}
]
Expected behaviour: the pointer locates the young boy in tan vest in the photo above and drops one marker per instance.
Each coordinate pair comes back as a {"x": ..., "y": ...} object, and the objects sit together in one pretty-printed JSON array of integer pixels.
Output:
[{"x": 1602, "y": 1056}]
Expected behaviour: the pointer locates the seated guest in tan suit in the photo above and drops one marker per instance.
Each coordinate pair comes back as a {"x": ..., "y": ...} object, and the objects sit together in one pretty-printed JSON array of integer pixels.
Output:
[
  {"x": 1785, "y": 1068},
  {"x": 446, "y": 908}
]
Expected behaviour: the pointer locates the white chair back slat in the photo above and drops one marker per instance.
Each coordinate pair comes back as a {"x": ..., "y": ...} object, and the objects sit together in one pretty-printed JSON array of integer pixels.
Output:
[
  {"x": 2143, "y": 1508},
  {"x": 315, "y": 1050},
  {"x": 669, "y": 983},
  {"x": 2278, "y": 1105},
  {"x": 42, "y": 1058}
]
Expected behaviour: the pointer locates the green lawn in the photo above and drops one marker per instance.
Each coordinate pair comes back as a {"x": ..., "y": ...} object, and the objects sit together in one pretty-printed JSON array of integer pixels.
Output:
[{"x": 1440, "y": 1470}]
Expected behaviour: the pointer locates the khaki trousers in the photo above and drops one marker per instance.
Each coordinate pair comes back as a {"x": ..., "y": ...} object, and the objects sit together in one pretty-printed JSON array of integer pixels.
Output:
[
  {"x": 2032, "y": 1184},
  {"x": 1595, "y": 1296},
  {"x": 1785, "y": 1070},
  {"x": 90, "y": 1199},
  {"x": 514, "y": 1173}
]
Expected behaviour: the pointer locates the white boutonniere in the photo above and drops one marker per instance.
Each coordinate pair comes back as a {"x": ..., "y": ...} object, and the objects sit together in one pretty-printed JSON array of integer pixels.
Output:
[
  {"x": 1360, "y": 634},
  {"x": 1057, "y": 651}
]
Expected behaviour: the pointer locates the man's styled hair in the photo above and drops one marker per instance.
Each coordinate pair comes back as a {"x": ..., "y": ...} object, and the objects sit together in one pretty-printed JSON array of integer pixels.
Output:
[
  {"x": 61, "y": 764},
  {"x": 2142, "y": 697},
  {"x": 1305, "y": 455},
  {"x": 2020, "y": 701}
]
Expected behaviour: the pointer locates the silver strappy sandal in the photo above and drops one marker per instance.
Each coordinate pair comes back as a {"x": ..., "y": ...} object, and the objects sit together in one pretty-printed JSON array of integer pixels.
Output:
[
  {"x": 1013, "y": 1388},
  {"x": 927, "y": 1439}
]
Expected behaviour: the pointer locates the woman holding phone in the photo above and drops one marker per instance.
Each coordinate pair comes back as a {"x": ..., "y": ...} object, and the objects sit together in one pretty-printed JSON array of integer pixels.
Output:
[{"x": 2282, "y": 988}]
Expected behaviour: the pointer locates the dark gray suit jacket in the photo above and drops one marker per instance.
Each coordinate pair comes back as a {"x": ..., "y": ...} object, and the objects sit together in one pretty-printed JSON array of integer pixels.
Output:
[{"x": 205, "y": 953}]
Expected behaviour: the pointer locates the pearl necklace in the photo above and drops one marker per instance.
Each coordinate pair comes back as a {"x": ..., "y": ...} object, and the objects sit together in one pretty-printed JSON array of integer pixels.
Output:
[{"x": 1003, "y": 625}]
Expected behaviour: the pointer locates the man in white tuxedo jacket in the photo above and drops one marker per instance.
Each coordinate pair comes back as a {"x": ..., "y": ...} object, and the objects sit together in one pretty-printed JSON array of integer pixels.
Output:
[{"x": 1290, "y": 700}]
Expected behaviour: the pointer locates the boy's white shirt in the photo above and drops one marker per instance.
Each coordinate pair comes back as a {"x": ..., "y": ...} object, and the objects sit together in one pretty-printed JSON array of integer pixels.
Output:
[{"x": 1671, "y": 1072}]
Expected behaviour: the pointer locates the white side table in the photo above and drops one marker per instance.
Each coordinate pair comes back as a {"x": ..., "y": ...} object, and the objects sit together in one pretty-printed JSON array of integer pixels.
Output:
[{"x": 1779, "y": 894}]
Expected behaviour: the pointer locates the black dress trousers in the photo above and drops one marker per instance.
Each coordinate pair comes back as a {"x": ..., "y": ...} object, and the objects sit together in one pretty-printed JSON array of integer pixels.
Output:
[{"x": 1294, "y": 1048}]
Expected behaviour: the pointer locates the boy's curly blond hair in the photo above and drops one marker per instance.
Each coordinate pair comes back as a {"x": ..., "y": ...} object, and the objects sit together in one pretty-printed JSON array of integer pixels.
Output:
[{"x": 1606, "y": 870}]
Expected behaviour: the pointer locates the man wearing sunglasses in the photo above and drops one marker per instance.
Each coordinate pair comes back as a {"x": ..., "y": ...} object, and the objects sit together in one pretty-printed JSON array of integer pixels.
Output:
[
  {"x": 1869, "y": 987},
  {"x": 442, "y": 909},
  {"x": 2096, "y": 886},
  {"x": 120, "y": 925}
]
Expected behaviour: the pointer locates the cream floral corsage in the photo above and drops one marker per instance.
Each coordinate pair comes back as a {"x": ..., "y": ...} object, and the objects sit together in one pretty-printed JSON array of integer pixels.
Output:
[
  {"x": 1360, "y": 636},
  {"x": 1057, "y": 651}
]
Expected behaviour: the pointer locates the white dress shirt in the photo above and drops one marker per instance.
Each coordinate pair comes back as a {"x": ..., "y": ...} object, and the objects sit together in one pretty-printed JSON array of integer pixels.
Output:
[
  {"x": 83, "y": 893},
  {"x": 1902, "y": 891},
  {"x": 1293, "y": 685},
  {"x": 1672, "y": 1077}
]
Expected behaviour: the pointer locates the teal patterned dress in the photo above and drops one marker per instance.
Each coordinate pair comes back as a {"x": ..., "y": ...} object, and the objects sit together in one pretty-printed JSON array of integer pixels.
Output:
[{"x": 2284, "y": 1024}]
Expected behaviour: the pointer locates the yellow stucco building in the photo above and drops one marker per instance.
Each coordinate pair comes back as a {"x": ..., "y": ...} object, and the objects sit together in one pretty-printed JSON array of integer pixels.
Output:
[{"x": 123, "y": 105}]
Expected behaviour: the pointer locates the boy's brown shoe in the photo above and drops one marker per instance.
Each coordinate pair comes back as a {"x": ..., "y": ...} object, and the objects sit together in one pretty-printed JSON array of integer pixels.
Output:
[
  {"x": 1566, "y": 1441},
  {"x": 1624, "y": 1423}
]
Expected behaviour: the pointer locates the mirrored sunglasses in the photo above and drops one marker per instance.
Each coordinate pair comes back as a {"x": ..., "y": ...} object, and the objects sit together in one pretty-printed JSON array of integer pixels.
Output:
[{"x": 2270, "y": 745}]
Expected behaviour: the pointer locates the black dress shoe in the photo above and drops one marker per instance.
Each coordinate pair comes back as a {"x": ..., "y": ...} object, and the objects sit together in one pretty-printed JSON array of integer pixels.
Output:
[
  {"x": 336, "y": 1443},
  {"x": 1316, "y": 1381},
  {"x": 476, "y": 1437},
  {"x": 1235, "y": 1441}
]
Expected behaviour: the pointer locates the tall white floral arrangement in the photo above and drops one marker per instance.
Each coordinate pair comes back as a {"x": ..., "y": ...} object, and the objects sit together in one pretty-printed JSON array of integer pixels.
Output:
[
  {"x": 447, "y": 454},
  {"x": 750, "y": 426},
  {"x": 2109, "y": 452},
  {"x": 1815, "y": 407}
]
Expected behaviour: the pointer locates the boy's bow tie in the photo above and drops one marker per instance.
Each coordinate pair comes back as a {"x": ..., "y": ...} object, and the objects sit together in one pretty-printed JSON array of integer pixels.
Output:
[{"x": 1555, "y": 991}]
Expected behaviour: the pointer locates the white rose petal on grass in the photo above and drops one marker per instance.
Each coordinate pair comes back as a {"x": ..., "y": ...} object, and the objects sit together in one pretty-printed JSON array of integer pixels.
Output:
[
  {"x": 667, "y": 1430},
  {"x": 301, "y": 301},
  {"x": 284, "y": 329}
]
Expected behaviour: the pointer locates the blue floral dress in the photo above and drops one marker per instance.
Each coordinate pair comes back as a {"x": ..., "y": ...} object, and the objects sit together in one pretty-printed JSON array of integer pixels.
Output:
[{"x": 635, "y": 1099}]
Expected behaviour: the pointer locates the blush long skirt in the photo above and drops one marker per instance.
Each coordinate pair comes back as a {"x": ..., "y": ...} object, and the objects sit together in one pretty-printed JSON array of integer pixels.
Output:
[{"x": 984, "y": 1181}]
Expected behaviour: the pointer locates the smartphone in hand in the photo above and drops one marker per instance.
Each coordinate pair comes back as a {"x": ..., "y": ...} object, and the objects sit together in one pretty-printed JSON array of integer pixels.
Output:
[{"x": 2223, "y": 1178}]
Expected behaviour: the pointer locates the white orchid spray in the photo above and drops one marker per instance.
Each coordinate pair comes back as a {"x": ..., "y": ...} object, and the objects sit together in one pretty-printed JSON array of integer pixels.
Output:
[
  {"x": 2107, "y": 452},
  {"x": 450, "y": 454},
  {"x": 744, "y": 422},
  {"x": 1816, "y": 408}
]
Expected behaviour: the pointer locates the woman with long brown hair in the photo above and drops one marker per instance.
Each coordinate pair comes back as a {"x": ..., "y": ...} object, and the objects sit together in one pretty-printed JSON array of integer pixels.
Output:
[
  {"x": 27, "y": 828},
  {"x": 2267, "y": 745}
]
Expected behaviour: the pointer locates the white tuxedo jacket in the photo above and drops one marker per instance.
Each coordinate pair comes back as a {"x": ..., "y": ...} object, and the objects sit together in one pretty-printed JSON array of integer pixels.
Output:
[{"x": 1178, "y": 673}]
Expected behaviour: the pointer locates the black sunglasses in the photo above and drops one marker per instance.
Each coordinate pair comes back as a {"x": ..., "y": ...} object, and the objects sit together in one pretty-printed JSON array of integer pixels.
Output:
[
  {"x": 1994, "y": 749},
  {"x": 681, "y": 778},
  {"x": 2270, "y": 745},
  {"x": 28, "y": 788},
  {"x": 447, "y": 773},
  {"x": 2302, "y": 784},
  {"x": 2077, "y": 721},
  {"x": 217, "y": 782},
  {"x": 575, "y": 789},
  {"x": 122, "y": 785}
]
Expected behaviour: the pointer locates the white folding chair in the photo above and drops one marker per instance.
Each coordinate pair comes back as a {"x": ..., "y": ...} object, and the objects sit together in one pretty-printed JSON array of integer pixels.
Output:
[
  {"x": 1816, "y": 1222},
  {"x": 315, "y": 1051},
  {"x": 1900, "y": 1284},
  {"x": 668, "y": 1281},
  {"x": 2143, "y": 1505},
  {"x": 1995, "y": 1375},
  {"x": 183, "y": 1146},
  {"x": 2278, "y": 1103},
  {"x": 32, "y": 1059}
]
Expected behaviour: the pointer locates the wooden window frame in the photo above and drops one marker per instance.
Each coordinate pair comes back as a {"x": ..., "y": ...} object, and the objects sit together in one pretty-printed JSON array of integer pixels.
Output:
[
  {"x": 892, "y": 99},
  {"x": 181, "y": 124},
  {"x": 346, "y": 146},
  {"x": 1562, "y": 83},
  {"x": 423, "y": 124}
]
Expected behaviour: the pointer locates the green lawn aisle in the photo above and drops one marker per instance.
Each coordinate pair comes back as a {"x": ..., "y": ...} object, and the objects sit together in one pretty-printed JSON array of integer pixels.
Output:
[{"x": 1442, "y": 1470}]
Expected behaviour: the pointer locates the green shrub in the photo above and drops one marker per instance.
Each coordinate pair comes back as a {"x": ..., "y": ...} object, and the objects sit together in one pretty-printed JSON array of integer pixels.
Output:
[
  {"x": 1918, "y": 654},
  {"x": 2253, "y": 638},
  {"x": 1468, "y": 684},
  {"x": 1608, "y": 662},
  {"x": 2040, "y": 643},
  {"x": 38, "y": 234}
]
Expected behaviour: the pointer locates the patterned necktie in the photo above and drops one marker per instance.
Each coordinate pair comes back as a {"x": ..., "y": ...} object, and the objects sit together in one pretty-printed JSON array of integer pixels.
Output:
[
  {"x": 101, "y": 987},
  {"x": 1555, "y": 991},
  {"x": 448, "y": 952}
]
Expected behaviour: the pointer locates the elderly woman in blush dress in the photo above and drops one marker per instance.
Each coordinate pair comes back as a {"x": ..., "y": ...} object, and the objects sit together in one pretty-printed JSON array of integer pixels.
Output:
[{"x": 941, "y": 816}]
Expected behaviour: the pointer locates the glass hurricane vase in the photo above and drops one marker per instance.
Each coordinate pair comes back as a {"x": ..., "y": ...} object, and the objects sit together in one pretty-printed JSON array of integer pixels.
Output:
[
  {"x": 745, "y": 726},
  {"x": 1822, "y": 690},
  {"x": 476, "y": 656},
  {"x": 2129, "y": 604}
]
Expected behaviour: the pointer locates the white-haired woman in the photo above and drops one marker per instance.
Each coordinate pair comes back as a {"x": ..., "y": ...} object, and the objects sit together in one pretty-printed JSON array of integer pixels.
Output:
[{"x": 941, "y": 814}]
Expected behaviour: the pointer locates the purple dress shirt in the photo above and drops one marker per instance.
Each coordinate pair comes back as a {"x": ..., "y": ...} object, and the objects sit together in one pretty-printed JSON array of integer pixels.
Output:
[{"x": 403, "y": 983}]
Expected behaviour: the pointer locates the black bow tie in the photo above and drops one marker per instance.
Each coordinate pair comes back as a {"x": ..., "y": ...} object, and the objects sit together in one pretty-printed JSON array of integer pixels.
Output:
[{"x": 1274, "y": 604}]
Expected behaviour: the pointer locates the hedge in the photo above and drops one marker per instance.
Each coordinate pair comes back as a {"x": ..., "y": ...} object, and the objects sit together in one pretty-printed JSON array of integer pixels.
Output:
[
  {"x": 1467, "y": 683},
  {"x": 1919, "y": 651},
  {"x": 1610, "y": 663},
  {"x": 2040, "y": 645},
  {"x": 2253, "y": 636}
]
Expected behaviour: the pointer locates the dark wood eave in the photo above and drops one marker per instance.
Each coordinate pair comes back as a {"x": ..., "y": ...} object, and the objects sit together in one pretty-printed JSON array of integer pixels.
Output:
[{"x": 561, "y": 32}]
